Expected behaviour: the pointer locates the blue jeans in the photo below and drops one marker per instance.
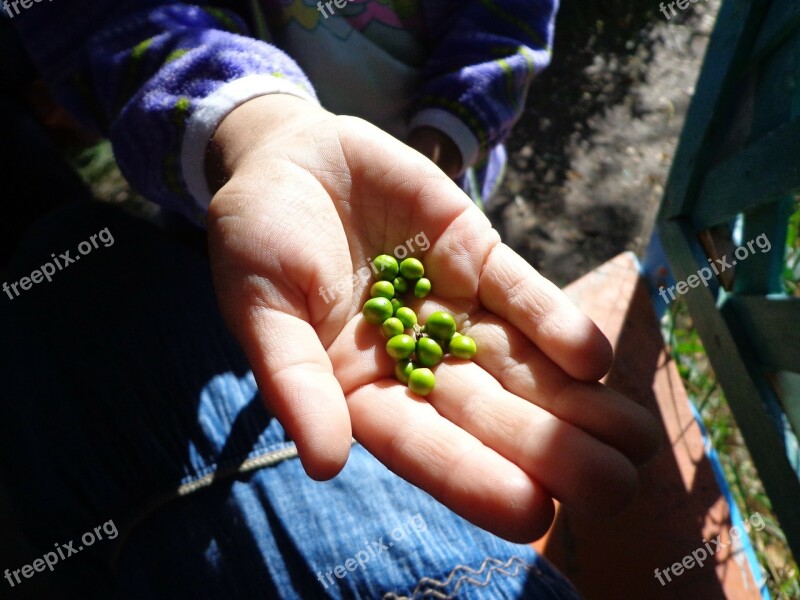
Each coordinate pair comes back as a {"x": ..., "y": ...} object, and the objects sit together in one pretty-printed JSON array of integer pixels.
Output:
[{"x": 128, "y": 406}]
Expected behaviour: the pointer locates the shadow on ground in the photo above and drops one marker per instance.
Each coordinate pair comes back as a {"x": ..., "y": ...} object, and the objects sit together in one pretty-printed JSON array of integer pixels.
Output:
[{"x": 590, "y": 155}]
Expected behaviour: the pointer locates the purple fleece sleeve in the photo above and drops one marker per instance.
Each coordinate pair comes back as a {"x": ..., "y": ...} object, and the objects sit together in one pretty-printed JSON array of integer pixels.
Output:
[
  {"x": 485, "y": 55},
  {"x": 157, "y": 78}
]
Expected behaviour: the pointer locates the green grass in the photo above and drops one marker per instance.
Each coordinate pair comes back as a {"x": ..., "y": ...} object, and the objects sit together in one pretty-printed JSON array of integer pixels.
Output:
[
  {"x": 704, "y": 390},
  {"x": 791, "y": 270}
]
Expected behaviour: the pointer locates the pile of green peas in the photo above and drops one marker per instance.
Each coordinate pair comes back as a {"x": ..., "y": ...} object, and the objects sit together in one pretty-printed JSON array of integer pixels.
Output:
[{"x": 424, "y": 348}]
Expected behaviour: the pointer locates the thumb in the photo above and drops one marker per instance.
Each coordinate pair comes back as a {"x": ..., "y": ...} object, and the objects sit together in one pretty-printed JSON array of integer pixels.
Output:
[{"x": 295, "y": 376}]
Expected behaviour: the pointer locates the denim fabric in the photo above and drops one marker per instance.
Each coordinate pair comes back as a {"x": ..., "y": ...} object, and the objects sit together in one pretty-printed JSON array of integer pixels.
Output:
[
  {"x": 125, "y": 398},
  {"x": 276, "y": 533}
]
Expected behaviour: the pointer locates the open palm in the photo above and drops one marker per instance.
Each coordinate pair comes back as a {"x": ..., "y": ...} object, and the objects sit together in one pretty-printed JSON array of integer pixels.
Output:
[{"x": 524, "y": 422}]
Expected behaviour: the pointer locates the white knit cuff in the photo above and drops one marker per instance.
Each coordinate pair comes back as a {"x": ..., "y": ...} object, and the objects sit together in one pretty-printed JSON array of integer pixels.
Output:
[
  {"x": 455, "y": 129},
  {"x": 210, "y": 112}
]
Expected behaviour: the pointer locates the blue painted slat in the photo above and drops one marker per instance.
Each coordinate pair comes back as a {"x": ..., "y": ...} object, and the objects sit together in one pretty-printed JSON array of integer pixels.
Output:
[
  {"x": 781, "y": 24},
  {"x": 777, "y": 101},
  {"x": 788, "y": 386},
  {"x": 762, "y": 271},
  {"x": 773, "y": 327},
  {"x": 729, "y": 47},
  {"x": 764, "y": 172}
]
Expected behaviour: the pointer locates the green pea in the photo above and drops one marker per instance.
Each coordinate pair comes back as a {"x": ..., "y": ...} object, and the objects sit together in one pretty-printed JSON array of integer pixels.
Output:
[
  {"x": 397, "y": 304},
  {"x": 422, "y": 288},
  {"x": 411, "y": 268},
  {"x": 446, "y": 343},
  {"x": 441, "y": 325},
  {"x": 400, "y": 285},
  {"x": 382, "y": 289},
  {"x": 407, "y": 316},
  {"x": 400, "y": 346},
  {"x": 429, "y": 353},
  {"x": 386, "y": 266},
  {"x": 403, "y": 368},
  {"x": 463, "y": 346},
  {"x": 392, "y": 327},
  {"x": 377, "y": 310},
  {"x": 421, "y": 381}
]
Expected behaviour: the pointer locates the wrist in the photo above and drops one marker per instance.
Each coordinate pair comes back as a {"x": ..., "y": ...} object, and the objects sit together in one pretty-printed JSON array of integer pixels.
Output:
[{"x": 252, "y": 126}]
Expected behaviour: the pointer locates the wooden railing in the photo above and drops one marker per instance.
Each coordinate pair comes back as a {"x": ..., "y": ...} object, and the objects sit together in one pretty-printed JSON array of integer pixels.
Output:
[{"x": 734, "y": 180}]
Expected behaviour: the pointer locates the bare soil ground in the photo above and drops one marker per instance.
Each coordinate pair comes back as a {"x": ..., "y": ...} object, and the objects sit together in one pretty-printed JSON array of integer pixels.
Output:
[{"x": 591, "y": 154}]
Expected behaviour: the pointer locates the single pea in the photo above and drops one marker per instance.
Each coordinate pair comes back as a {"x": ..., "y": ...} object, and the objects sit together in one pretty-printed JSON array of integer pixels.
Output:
[
  {"x": 377, "y": 310},
  {"x": 421, "y": 381},
  {"x": 392, "y": 327},
  {"x": 403, "y": 368},
  {"x": 396, "y": 304},
  {"x": 382, "y": 289},
  {"x": 446, "y": 343},
  {"x": 400, "y": 346},
  {"x": 441, "y": 325},
  {"x": 407, "y": 316},
  {"x": 400, "y": 285},
  {"x": 429, "y": 353},
  {"x": 422, "y": 288},
  {"x": 386, "y": 267},
  {"x": 463, "y": 346},
  {"x": 411, "y": 268}
]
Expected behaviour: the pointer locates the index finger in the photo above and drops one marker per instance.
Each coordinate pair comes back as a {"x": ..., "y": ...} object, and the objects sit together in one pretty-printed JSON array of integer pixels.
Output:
[{"x": 512, "y": 289}]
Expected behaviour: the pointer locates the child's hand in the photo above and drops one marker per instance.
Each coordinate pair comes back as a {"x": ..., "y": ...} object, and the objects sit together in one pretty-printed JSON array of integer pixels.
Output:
[{"x": 311, "y": 197}]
